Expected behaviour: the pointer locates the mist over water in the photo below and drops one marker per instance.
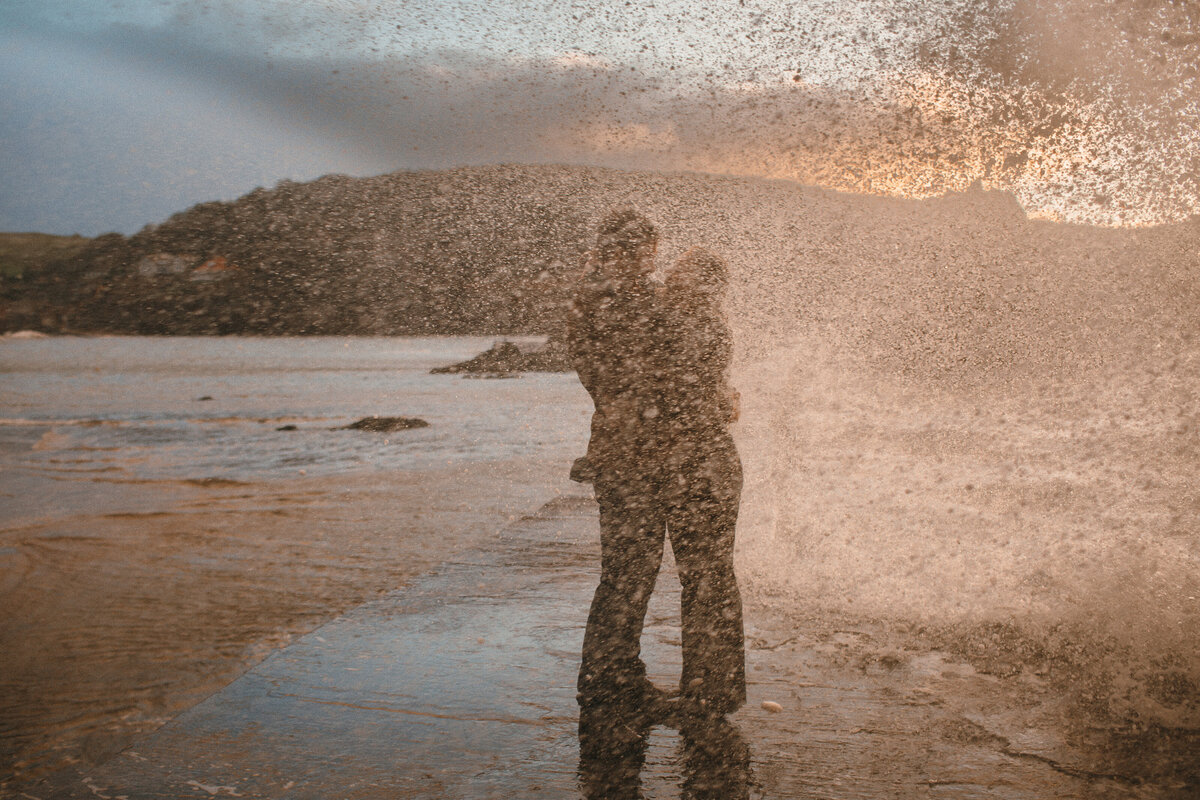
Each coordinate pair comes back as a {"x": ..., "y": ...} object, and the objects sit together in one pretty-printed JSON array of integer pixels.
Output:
[
  {"x": 907, "y": 509},
  {"x": 956, "y": 417}
]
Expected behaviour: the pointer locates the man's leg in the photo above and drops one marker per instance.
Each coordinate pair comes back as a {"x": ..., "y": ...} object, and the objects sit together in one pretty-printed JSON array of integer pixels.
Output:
[
  {"x": 631, "y": 546},
  {"x": 716, "y": 760}
]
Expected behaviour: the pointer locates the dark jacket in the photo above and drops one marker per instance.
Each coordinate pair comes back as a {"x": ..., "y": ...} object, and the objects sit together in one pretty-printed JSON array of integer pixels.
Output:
[
  {"x": 698, "y": 350},
  {"x": 614, "y": 336},
  {"x": 698, "y": 402}
]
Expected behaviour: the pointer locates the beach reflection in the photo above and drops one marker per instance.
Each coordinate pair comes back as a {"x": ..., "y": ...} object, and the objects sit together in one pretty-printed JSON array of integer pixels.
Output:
[{"x": 714, "y": 756}]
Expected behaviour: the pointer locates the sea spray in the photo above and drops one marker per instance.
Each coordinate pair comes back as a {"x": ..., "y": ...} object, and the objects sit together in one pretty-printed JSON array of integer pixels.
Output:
[{"x": 1055, "y": 512}]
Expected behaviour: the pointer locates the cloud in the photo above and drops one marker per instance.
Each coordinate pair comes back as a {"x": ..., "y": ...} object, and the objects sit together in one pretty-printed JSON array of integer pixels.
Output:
[{"x": 937, "y": 94}]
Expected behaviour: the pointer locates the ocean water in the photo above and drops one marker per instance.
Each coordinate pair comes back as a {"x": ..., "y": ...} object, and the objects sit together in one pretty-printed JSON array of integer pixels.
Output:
[
  {"x": 879, "y": 500},
  {"x": 79, "y": 417}
]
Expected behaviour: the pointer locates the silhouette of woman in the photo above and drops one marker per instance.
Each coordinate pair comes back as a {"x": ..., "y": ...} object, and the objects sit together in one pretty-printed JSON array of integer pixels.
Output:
[{"x": 703, "y": 482}]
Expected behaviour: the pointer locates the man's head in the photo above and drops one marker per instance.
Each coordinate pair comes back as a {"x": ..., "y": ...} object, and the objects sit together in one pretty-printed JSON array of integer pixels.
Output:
[{"x": 626, "y": 243}]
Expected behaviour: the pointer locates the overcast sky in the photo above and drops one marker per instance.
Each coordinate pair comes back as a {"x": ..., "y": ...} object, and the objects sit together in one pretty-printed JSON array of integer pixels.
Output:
[{"x": 117, "y": 113}]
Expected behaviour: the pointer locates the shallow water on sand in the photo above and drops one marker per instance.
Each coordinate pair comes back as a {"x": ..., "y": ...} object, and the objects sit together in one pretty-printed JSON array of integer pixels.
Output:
[
  {"x": 80, "y": 413},
  {"x": 153, "y": 544}
]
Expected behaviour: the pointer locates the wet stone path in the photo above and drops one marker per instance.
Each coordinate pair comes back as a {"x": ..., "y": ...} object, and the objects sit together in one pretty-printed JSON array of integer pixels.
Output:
[{"x": 462, "y": 686}]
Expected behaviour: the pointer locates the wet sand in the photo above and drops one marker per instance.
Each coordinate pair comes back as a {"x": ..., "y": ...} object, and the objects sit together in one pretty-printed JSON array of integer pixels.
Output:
[
  {"x": 117, "y": 621},
  {"x": 1042, "y": 530},
  {"x": 461, "y": 685}
]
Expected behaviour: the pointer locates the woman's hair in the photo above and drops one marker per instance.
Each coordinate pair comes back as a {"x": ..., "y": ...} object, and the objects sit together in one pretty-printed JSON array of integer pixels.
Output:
[
  {"x": 699, "y": 271},
  {"x": 625, "y": 235}
]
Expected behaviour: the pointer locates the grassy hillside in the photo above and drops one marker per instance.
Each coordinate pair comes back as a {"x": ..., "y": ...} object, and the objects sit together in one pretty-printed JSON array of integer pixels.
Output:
[{"x": 24, "y": 254}]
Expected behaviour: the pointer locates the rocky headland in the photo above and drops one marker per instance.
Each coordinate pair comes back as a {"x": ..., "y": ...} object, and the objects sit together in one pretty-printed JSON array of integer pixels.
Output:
[{"x": 964, "y": 280}]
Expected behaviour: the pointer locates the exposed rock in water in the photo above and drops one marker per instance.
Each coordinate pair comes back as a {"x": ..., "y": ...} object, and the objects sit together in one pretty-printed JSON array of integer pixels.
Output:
[
  {"x": 385, "y": 424},
  {"x": 215, "y": 483},
  {"x": 505, "y": 358}
]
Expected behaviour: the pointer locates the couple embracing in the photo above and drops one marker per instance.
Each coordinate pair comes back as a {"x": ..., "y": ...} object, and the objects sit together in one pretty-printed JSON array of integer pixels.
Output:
[{"x": 655, "y": 360}]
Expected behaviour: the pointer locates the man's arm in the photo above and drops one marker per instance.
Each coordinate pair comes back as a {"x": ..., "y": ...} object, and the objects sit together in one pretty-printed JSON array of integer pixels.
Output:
[{"x": 581, "y": 333}]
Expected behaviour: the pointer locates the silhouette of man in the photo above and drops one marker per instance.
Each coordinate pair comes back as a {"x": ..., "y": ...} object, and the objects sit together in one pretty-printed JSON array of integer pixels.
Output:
[{"x": 614, "y": 335}]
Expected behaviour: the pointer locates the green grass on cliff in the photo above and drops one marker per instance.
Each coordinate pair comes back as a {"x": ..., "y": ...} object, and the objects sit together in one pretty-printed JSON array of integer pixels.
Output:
[{"x": 22, "y": 254}]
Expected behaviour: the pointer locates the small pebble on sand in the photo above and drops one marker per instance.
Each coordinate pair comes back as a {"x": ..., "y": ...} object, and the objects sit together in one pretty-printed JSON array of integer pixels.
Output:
[{"x": 772, "y": 706}]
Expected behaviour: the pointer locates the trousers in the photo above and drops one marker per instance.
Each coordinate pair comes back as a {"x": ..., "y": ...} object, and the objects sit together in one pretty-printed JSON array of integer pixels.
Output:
[{"x": 694, "y": 501}]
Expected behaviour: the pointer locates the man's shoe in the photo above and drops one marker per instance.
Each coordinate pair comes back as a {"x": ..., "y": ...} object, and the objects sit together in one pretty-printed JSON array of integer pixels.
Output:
[{"x": 657, "y": 704}]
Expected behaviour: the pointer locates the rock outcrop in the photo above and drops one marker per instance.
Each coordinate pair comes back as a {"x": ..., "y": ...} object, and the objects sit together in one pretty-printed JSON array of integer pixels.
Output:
[
  {"x": 384, "y": 424},
  {"x": 506, "y": 357}
]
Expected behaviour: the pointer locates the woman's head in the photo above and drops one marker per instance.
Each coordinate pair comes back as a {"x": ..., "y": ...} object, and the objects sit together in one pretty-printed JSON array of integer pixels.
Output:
[
  {"x": 626, "y": 242},
  {"x": 699, "y": 272}
]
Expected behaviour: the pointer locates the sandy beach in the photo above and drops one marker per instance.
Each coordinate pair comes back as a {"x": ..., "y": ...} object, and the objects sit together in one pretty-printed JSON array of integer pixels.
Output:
[
  {"x": 116, "y": 622},
  {"x": 295, "y": 301}
]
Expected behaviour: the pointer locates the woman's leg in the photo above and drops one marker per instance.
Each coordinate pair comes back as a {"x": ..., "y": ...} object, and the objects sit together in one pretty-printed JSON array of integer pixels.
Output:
[{"x": 701, "y": 524}]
